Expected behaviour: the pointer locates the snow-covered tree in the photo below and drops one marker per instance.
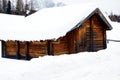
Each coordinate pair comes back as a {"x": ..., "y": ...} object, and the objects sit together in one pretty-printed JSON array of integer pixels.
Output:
[
  {"x": 33, "y": 4},
  {"x": 19, "y": 7},
  {"x": 39, "y": 4},
  {"x": 60, "y": 4},
  {"x": 4, "y": 5},
  {"x": 49, "y": 3},
  {"x": 0, "y": 5}
]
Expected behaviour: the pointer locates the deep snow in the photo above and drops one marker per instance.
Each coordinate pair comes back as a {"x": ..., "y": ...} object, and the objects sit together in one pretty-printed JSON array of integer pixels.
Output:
[{"x": 102, "y": 65}]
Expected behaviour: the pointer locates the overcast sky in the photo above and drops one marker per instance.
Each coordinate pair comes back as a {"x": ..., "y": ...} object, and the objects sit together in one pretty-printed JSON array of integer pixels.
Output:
[{"x": 108, "y": 5}]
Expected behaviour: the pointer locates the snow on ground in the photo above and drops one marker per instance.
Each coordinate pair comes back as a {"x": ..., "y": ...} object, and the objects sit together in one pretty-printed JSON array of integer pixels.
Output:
[
  {"x": 114, "y": 34},
  {"x": 101, "y": 65}
]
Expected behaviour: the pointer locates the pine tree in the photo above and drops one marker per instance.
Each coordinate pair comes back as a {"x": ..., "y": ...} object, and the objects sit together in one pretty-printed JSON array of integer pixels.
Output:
[{"x": 9, "y": 7}]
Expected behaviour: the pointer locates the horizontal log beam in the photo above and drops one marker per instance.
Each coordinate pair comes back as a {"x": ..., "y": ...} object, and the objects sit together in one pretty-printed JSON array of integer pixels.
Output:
[{"x": 113, "y": 40}]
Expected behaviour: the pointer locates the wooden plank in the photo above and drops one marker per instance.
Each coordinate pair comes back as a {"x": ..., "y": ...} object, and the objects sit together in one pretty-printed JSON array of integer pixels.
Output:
[
  {"x": 48, "y": 47},
  {"x": 23, "y": 49},
  {"x": 104, "y": 39},
  {"x": 11, "y": 48},
  {"x": 37, "y": 48}
]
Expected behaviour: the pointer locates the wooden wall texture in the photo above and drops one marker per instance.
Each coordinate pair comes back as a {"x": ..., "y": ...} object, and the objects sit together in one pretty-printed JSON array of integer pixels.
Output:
[{"x": 89, "y": 36}]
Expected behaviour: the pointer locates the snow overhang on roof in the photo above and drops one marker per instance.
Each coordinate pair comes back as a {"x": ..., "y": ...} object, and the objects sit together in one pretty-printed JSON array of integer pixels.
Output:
[{"x": 47, "y": 23}]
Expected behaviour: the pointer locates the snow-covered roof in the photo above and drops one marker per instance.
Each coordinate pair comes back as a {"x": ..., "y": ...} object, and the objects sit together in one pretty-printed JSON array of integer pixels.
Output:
[{"x": 47, "y": 23}]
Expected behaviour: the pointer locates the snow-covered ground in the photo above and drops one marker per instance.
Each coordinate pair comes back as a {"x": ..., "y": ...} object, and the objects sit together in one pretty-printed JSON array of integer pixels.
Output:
[{"x": 102, "y": 65}]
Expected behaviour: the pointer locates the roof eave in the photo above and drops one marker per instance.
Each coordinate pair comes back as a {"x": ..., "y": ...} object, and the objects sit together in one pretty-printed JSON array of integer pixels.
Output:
[
  {"x": 109, "y": 27},
  {"x": 97, "y": 10}
]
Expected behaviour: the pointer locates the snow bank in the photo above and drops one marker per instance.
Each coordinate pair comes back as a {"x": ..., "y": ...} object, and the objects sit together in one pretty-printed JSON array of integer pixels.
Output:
[{"x": 115, "y": 33}]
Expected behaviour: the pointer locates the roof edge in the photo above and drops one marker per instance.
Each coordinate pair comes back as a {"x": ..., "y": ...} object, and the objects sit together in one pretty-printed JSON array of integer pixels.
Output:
[{"x": 97, "y": 10}]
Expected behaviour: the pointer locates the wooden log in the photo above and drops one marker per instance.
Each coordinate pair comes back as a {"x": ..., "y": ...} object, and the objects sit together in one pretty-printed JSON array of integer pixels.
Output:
[
  {"x": 22, "y": 49},
  {"x": 50, "y": 48},
  {"x": 27, "y": 51},
  {"x": 38, "y": 48},
  {"x": 3, "y": 48},
  {"x": 18, "y": 50}
]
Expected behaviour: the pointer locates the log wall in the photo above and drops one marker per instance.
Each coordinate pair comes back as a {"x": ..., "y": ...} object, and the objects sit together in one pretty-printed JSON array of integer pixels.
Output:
[
  {"x": 61, "y": 46},
  {"x": 37, "y": 48},
  {"x": 11, "y": 48}
]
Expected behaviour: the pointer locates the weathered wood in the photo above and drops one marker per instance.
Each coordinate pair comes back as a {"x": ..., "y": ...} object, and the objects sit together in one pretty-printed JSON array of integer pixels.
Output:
[
  {"x": 18, "y": 50},
  {"x": 71, "y": 42},
  {"x": 61, "y": 48},
  {"x": 104, "y": 39},
  {"x": 22, "y": 49},
  {"x": 27, "y": 51},
  {"x": 91, "y": 36},
  {"x": 11, "y": 48},
  {"x": 3, "y": 48},
  {"x": 50, "y": 47},
  {"x": 37, "y": 48}
]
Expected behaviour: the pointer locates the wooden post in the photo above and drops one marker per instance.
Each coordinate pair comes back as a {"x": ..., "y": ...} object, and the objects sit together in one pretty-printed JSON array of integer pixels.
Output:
[
  {"x": 52, "y": 49},
  {"x": 18, "y": 50},
  {"x": 27, "y": 51},
  {"x": 76, "y": 47},
  {"x": 104, "y": 39},
  {"x": 91, "y": 36},
  {"x": 49, "y": 47},
  {"x": 3, "y": 51}
]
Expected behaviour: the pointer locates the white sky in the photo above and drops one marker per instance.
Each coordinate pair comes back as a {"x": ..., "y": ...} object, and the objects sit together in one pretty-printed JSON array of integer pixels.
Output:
[{"x": 108, "y": 5}]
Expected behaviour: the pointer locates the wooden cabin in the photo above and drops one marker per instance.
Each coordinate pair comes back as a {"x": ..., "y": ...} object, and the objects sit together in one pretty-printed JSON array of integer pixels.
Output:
[{"x": 88, "y": 35}]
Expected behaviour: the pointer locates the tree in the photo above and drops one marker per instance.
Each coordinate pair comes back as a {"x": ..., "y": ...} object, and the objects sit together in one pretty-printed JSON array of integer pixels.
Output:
[
  {"x": 4, "y": 2},
  {"x": 0, "y": 6},
  {"x": 9, "y": 7},
  {"x": 19, "y": 7},
  {"x": 49, "y": 3},
  {"x": 35, "y": 5},
  {"x": 27, "y": 11},
  {"x": 60, "y": 4}
]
